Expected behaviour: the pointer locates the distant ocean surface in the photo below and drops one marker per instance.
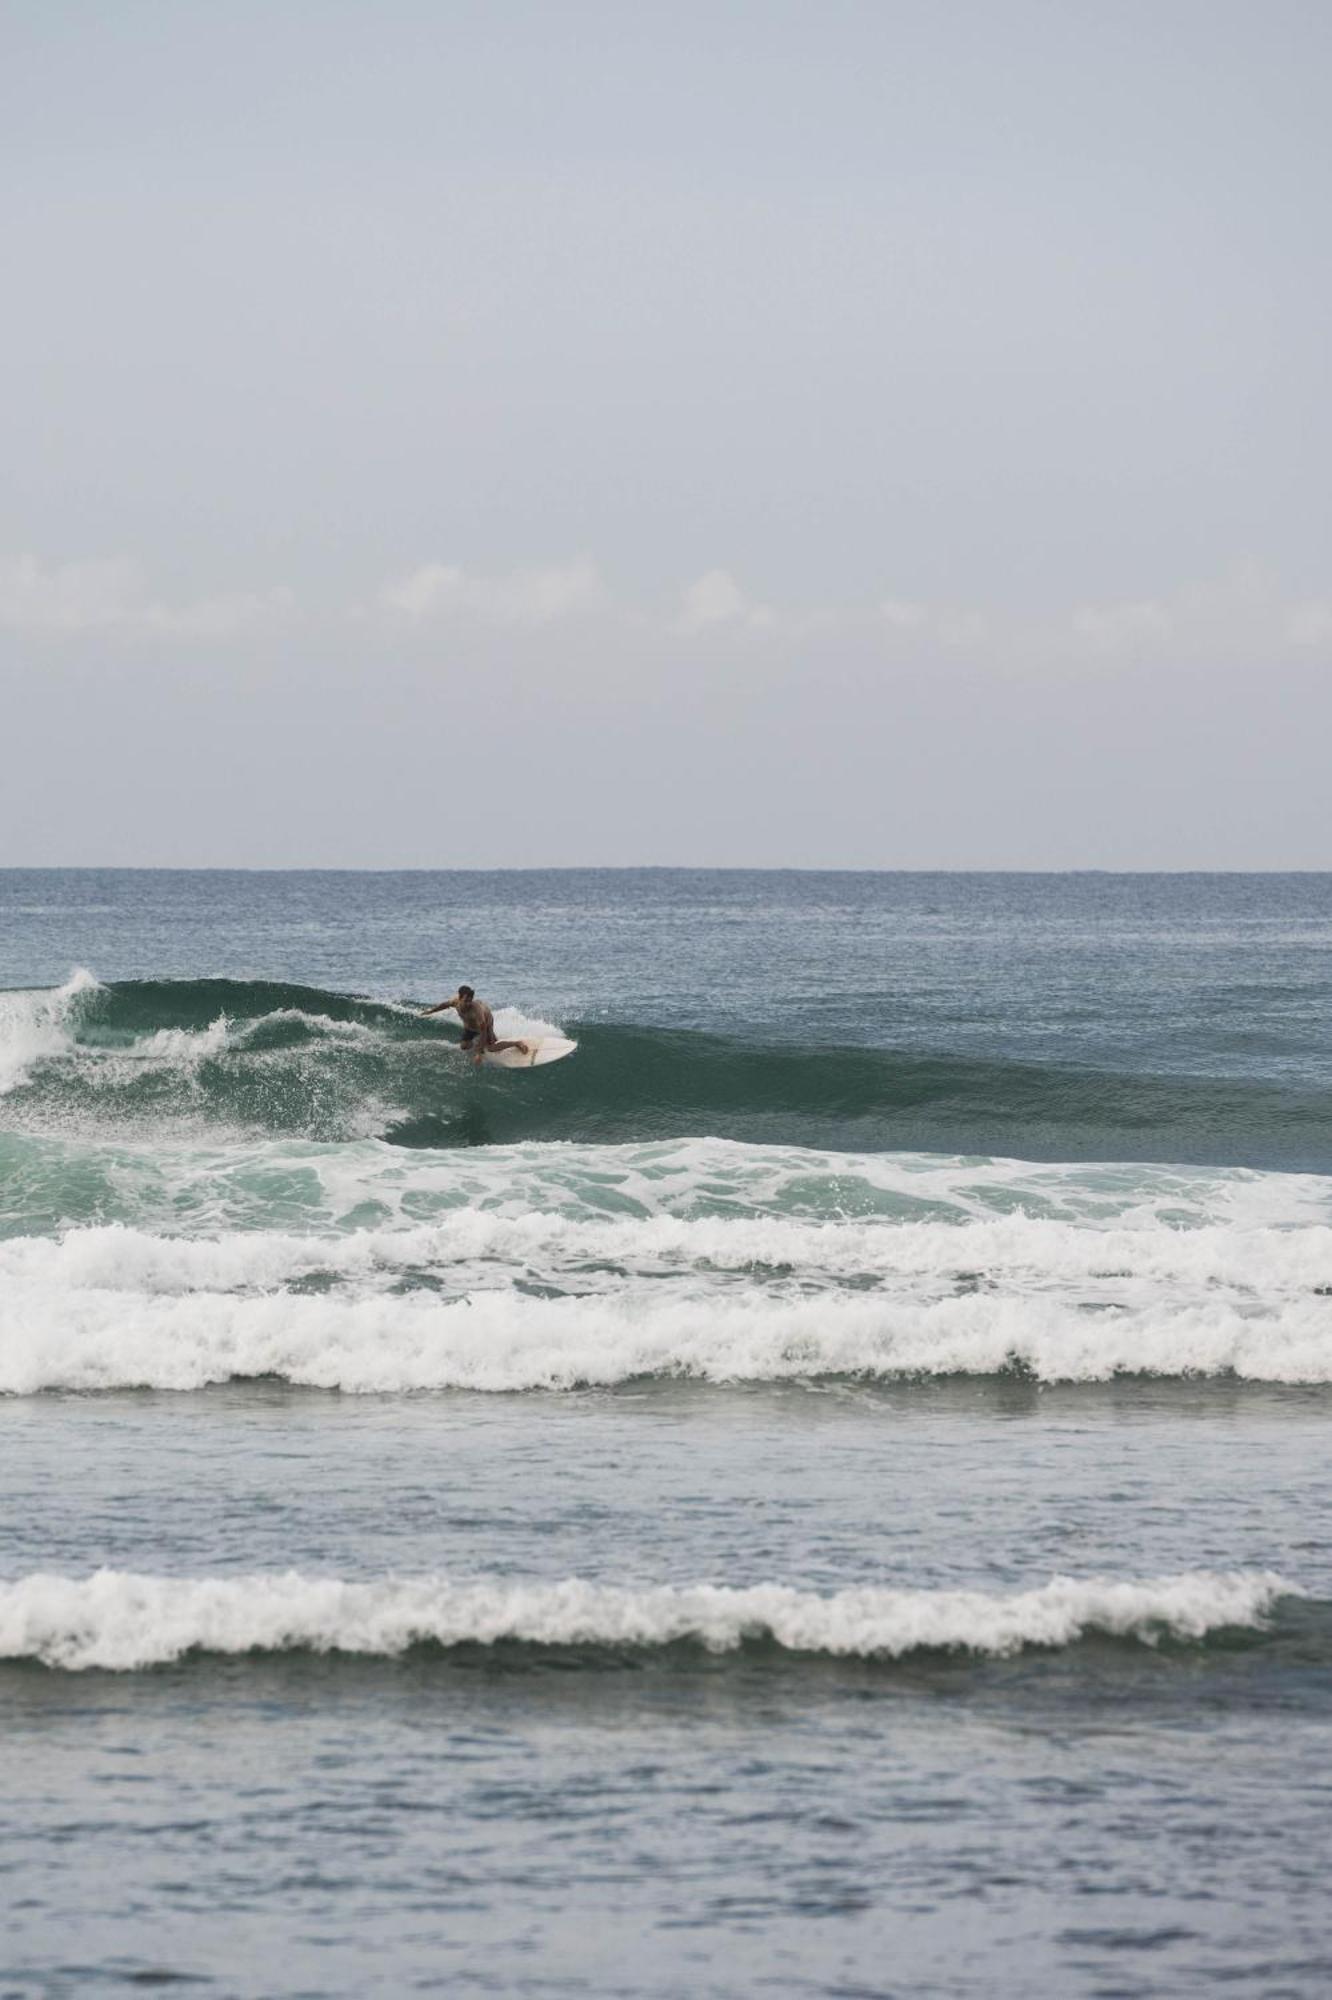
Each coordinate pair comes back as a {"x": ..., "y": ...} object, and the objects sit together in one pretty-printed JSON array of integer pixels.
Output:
[{"x": 824, "y": 1492}]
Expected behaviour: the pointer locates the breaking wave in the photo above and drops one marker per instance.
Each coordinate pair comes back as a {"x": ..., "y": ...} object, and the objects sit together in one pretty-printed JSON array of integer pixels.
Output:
[
  {"x": 502, "y": 1340},
  {"x": 123, "y": 1621},
  {"x": 262, "y": 1057}
]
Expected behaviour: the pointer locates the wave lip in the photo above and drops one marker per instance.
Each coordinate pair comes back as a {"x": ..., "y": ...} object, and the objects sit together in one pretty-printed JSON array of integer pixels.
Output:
[
  {"x": 35, "y": 1026},
  {"x": 122, "y": 1621}
]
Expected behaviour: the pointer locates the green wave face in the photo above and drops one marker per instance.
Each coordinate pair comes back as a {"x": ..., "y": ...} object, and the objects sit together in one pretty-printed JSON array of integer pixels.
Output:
[{"x": 268, "y": 1059}]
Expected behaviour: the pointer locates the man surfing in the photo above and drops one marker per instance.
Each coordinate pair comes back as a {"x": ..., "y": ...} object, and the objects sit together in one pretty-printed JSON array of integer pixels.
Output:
[{"x": 478, "y": 1024}]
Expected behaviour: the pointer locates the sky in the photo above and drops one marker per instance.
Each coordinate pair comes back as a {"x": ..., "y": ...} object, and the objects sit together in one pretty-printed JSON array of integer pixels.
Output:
[{"x": 813, "y": 433}]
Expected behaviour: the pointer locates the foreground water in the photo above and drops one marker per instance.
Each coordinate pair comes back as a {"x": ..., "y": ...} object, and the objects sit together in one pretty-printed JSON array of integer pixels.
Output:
[{"x": 825, "y": 1490}]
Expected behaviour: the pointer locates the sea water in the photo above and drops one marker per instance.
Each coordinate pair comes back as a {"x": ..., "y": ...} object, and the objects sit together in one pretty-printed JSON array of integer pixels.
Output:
[{"x": 826, "y": 1491}]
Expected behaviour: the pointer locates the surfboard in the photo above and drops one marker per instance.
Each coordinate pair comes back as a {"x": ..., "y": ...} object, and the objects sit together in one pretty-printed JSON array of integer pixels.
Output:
[{"x": 536, "y": 1050}]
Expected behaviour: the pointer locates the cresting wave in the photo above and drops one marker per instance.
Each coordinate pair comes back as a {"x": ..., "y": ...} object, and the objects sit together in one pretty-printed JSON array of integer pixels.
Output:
[
  {"x": 260, "y": 1057},
  {"x": 498, "y": 1341},
  {"x": 122, "y": 1621}
]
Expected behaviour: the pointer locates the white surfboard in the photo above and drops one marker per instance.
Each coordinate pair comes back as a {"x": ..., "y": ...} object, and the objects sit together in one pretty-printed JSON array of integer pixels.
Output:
[{"x": 535, "y": 1050}]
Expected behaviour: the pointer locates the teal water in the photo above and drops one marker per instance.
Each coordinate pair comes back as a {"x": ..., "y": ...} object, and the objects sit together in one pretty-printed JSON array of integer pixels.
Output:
[{"x": 825, "y": 1489}]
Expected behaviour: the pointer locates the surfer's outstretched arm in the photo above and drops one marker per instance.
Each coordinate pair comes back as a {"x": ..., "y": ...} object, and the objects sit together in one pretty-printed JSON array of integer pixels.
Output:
[{"x": 442, "y": 1008}]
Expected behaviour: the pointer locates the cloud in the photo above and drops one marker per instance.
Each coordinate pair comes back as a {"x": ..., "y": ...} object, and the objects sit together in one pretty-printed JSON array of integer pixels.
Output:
[
  {"x": 715, "y": 598},
  {"x": 221, "y": 617},
  {"x": 71, "y": 600},
  {"x": 1241, "y": 615},
  {"x": 1114, "y": 628},
  {"x": 950, "y": 626},
  {"x": 902, "y": 615},
  {"x": 1310, "y": 624},
  {"x": 520, "y": 597}
]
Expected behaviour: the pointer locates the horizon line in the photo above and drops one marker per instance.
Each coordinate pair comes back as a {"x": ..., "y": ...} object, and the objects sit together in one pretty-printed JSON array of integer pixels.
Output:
[{"x": 612, "y": 868}]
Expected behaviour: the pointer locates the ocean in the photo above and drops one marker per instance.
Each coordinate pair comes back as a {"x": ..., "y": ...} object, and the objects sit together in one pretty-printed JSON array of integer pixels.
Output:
[{"x": 824, "y": 1492}]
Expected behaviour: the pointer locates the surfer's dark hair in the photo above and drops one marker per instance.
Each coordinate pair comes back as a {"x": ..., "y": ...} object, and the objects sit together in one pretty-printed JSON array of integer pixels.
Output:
[{"x": 467, "y": 992}]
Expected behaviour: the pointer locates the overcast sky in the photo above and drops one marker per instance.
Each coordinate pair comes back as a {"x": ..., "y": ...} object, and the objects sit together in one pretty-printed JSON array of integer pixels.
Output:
[{"x": 809, "y": 432}]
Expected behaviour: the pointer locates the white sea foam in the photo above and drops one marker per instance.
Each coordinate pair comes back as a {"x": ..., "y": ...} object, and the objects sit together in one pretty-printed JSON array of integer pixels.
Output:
[
  {"x": 124, "y": 1621},
  {"x": 513, "y": 1022},
  {"x": 1020, "y": 1253},
  {"x": 695, "y": 1257},
  {"x": 173, "y": 1048},
  {"x": 447, "y": 1302},
  {"x": 35, "y": 1026},
  {"x": 321, "y": 1024},
  {"x": 238, "y": 1182},
  {"x": 499, "y": 1340}
]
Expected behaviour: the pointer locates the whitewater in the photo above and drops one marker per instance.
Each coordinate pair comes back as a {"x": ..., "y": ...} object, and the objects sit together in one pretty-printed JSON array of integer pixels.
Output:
[{"x": 121, "y": 1622}]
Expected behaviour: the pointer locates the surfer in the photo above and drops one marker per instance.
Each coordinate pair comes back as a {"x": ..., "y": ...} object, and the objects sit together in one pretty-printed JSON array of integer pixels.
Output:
[{"x": 478, "y": 1024}]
